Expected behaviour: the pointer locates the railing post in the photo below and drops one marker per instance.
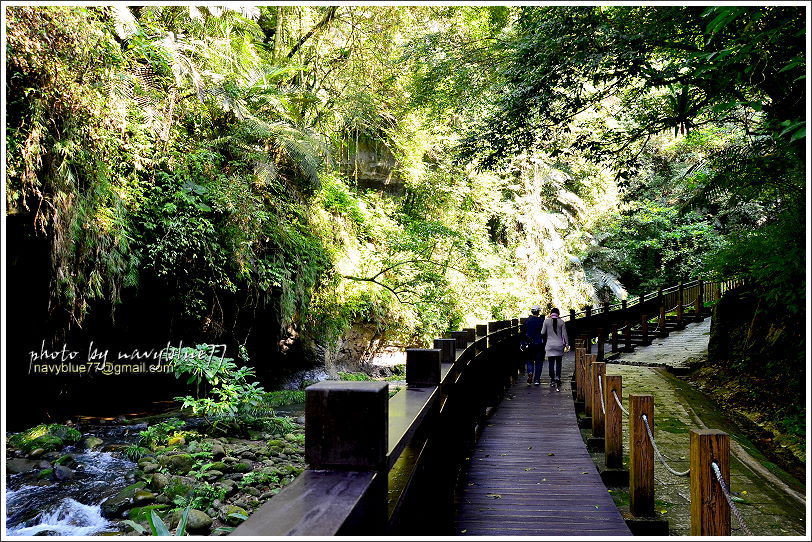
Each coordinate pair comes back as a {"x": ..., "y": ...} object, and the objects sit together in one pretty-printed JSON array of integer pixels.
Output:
[
  {"x": 347, "y": 428},
  {"x": 580, "y": 354},
  {"x": 461, "y": 337},
  {"x": 641, "y": 456},
  {"x": 624, "y": 304},
  {"x": 589, "y": 359},
  {"x": 662, "y": 331},
  {"x": 471, "y": 334},
  {"x": 598, "y": 370},
  {"x": 627, "y": 336},
  {"x": 423, "y": 367},
  {"x": 644, "y": 327},
  {"x": 600, "y": 344},
  {"x": 572, "y": 315},
  {"x": 588, "y": 311},
  {"x": 588, "y": 342},
  {"x": 613, "y": 439},
  {"x": 710, "y": 512},
  {"x": 700, "y": 302},
  {"x": 448, "y": 350},
  {"x": 679, "y": 305},
  {"x": 614, "y": 338}
]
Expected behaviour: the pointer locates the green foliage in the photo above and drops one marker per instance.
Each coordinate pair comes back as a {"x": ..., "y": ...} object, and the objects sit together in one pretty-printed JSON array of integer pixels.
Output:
[
  {"x": 50, "y": 437},
  {"x": 159, "y": 433},
  {"x": 649, "y": 246},
  {"x": 279, "y": 398},
  {"x": 135, "y": 452},
  {"x": 357, "y": 377},
  {"x": 230, "y": 394}
]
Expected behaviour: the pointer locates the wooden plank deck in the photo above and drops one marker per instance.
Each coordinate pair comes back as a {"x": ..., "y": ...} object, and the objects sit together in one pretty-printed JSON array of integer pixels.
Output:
[{"x": 530, "y": 473}]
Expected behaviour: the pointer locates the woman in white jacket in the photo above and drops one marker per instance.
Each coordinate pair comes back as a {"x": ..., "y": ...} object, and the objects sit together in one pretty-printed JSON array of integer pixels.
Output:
[{"x": 555, "y": 333}]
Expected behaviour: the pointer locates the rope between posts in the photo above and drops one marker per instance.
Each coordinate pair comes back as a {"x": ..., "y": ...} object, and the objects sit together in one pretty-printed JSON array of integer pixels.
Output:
[
  {"x": 735, "y": 510},
  {"x": 617, "y": 400},
  {"x": 600, "y": 388},
  {"x": 659, "y": 454}
]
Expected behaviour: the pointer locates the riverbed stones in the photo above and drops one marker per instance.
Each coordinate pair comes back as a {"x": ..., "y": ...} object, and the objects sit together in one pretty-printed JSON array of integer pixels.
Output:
[
  {"x": 121, "y": 501},
  {"x": 217, "y": 451},
  {"x": 231, "y": 514},
  {"x": 63, "y": 473},
  {"x": 177, "y": 464},
  {"x": 142, "y": 496},
  {"x": 240, "y": 467},
  {"x": 18, "y": 465},
  {"x": 92, "y": 443},
  {"x": 197, "y": 522},
  {"x": 159, "y": 481}
]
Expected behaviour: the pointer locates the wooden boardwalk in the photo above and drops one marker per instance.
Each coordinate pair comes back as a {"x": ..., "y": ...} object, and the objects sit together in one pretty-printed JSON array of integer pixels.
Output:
[{"x": 530, "y": 473}]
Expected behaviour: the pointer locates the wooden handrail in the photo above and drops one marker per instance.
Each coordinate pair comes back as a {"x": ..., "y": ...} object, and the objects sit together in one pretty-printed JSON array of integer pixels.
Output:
[{"x": 362, "y": 498}]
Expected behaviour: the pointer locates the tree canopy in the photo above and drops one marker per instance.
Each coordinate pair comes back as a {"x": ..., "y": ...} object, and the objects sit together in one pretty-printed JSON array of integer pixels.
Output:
[{"x": 400, "y": 170}]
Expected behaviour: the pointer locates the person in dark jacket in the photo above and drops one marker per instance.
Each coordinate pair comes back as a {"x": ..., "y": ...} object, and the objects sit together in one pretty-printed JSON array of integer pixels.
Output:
[{"x": 535, "y": 350}]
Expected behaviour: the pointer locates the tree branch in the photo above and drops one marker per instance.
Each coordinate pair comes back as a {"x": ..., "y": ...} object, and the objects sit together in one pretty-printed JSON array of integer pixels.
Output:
[{"x": 329, "y": 16}]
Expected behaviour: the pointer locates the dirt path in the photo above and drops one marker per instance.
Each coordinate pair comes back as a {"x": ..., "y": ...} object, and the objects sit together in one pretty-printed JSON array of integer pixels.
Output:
[{"x": 771, "y": 502}]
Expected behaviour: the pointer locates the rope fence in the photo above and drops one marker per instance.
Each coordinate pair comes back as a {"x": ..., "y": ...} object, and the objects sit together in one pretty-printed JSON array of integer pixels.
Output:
[
  {"x": 659, "y": 453},
  {"x": 720, "y": 479}
]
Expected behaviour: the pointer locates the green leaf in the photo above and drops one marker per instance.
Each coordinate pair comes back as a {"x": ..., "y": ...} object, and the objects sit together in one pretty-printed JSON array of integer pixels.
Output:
[
  {"x": 181, "y": 530},
  {"x": 135, "y": 526},
  {"x": 158, "y": 526}
]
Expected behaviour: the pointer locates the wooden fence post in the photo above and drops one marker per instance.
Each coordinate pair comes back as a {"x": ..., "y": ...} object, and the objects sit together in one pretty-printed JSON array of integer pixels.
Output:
[
  {"x": 614, "y": 338},
  {"x": 661, "y": 331},
  {"x": 423, "y": 366},
  {"x": 598, "y": 370},
  {"x": 613, "y": 439},
  {"x": 347, "y": 428},
  {"x": 679, "y": 305},
  {"x": 600, "y": 346},
  {"x": 588, "y": 342},
  {"x": 710, "y": 512},
  {"x": 448, "y": 349},
  {"x": 580, "y": 361},
  {"x": 701, "y": 299},
  {"x": 627, "y": 336},
  {"x": 644, "y": 327},
  {"x": 641, "y": 456},
  {"x": 588, "y": 311},
  {"x": 589, "y": 359}
]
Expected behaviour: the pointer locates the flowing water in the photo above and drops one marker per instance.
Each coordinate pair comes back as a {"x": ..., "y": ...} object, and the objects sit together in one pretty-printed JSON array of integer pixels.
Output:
[{"x": 72, "y": 507}]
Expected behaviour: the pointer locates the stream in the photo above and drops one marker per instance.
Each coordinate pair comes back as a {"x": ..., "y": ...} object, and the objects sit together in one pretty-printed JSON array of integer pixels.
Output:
[{"x": 71, "y": 507}]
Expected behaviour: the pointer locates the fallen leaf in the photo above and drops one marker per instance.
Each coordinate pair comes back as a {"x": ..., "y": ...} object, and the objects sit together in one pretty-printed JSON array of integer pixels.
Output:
[
  {"x": 584, "y": 473},
  {"x": 550, "y": 453},
  {"x": 529, "y": 447},
  {"x": 494, "y": 496},
  {"x": 663, "y": 511}
]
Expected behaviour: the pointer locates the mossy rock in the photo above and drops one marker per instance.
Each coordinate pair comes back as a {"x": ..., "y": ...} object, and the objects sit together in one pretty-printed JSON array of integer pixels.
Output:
[
  {"x": 234, "y": 515},
  {"x": 239, "y": 467},
  {"x": 121, "y": 501},
  {"x": 45, "y": 474},
  {"x": 219, "y": 465},
  {"x": 177, "y": 464},
  {"x": 49, "y": 437}
]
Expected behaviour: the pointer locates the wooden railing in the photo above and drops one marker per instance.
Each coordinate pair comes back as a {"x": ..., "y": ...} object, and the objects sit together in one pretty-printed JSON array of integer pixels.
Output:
[
  {"x": 380, "y": 465},
  {"x": 388, "y": 466}
]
